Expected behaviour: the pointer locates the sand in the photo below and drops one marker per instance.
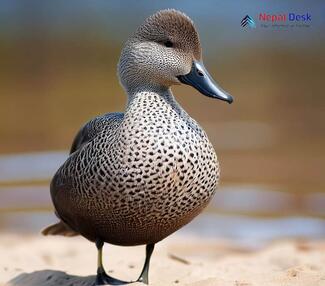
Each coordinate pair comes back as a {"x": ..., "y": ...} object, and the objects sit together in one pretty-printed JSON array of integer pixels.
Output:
[{"x": 35, "y": 260}]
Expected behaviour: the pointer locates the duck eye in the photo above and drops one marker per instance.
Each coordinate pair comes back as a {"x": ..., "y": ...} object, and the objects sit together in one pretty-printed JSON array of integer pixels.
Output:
[{"x": 168, "y": 44}]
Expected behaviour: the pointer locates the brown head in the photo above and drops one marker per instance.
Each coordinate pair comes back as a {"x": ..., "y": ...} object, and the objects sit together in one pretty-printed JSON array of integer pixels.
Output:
[{"x": 166, "y": 50}]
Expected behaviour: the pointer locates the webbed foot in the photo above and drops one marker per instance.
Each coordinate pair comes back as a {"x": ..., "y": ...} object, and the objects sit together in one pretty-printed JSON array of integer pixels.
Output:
[{"x": 103, "y": 279}]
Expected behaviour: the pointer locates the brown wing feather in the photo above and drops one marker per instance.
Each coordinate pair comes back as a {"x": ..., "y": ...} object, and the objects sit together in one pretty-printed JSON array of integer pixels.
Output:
[{"x": 85, "y": 135}]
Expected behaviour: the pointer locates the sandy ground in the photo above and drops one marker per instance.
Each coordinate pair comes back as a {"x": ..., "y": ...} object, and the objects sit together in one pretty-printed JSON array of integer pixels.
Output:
[{"x": 36, "y": 260}]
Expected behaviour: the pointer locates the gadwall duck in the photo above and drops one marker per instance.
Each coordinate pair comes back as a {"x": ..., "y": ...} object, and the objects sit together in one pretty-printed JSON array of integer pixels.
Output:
[{"x": 136, "y": 177}]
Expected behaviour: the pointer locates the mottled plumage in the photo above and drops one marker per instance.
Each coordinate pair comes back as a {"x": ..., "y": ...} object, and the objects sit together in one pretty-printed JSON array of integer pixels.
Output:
[
  {"x": 136, "y": 177},
  {"x": 139, "y": 178}
]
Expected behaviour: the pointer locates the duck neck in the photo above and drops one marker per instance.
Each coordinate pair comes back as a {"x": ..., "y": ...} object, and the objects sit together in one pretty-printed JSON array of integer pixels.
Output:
[{"x": 154, "y": 96}]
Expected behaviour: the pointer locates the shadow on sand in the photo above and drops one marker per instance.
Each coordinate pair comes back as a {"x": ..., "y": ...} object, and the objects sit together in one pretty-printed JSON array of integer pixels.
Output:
[{"x": 53, "y": 278}]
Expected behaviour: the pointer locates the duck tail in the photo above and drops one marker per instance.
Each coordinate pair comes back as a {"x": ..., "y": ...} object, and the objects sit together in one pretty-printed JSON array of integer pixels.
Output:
[{"x": 59, "y": 228}]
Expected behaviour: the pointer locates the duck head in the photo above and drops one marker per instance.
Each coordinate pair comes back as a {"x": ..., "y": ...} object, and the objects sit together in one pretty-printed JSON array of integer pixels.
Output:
[{"x": 166, "y": 50}]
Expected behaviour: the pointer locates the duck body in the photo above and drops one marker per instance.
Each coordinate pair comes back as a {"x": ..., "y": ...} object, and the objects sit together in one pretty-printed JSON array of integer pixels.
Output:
[
  {"x": 139, "y": 176},
  {"x": 136, "y": 177}
]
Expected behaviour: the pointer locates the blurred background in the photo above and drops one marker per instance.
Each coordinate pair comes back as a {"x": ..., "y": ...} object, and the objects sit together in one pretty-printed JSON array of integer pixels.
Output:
[{"x": 58, "y": 69}]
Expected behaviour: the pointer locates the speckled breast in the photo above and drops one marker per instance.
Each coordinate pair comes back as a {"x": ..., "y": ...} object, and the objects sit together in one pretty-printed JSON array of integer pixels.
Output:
[{"x": 158, "y": 173}]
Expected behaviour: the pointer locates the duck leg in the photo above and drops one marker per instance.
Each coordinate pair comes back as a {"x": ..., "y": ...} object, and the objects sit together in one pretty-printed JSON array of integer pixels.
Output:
[
  {"x": 145, "y": 271},
  {"x": 102, "y": 278}
]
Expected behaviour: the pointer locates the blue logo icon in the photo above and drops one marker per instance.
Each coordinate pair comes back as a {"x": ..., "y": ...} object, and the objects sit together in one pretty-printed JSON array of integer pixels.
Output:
[{"x": 248, "y": 21}]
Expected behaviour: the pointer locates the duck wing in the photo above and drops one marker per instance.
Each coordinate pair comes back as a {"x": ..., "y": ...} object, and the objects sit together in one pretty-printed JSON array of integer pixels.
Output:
[
  {"x": 93, "y": 127},
  {"x": 85, "y": 135}
]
